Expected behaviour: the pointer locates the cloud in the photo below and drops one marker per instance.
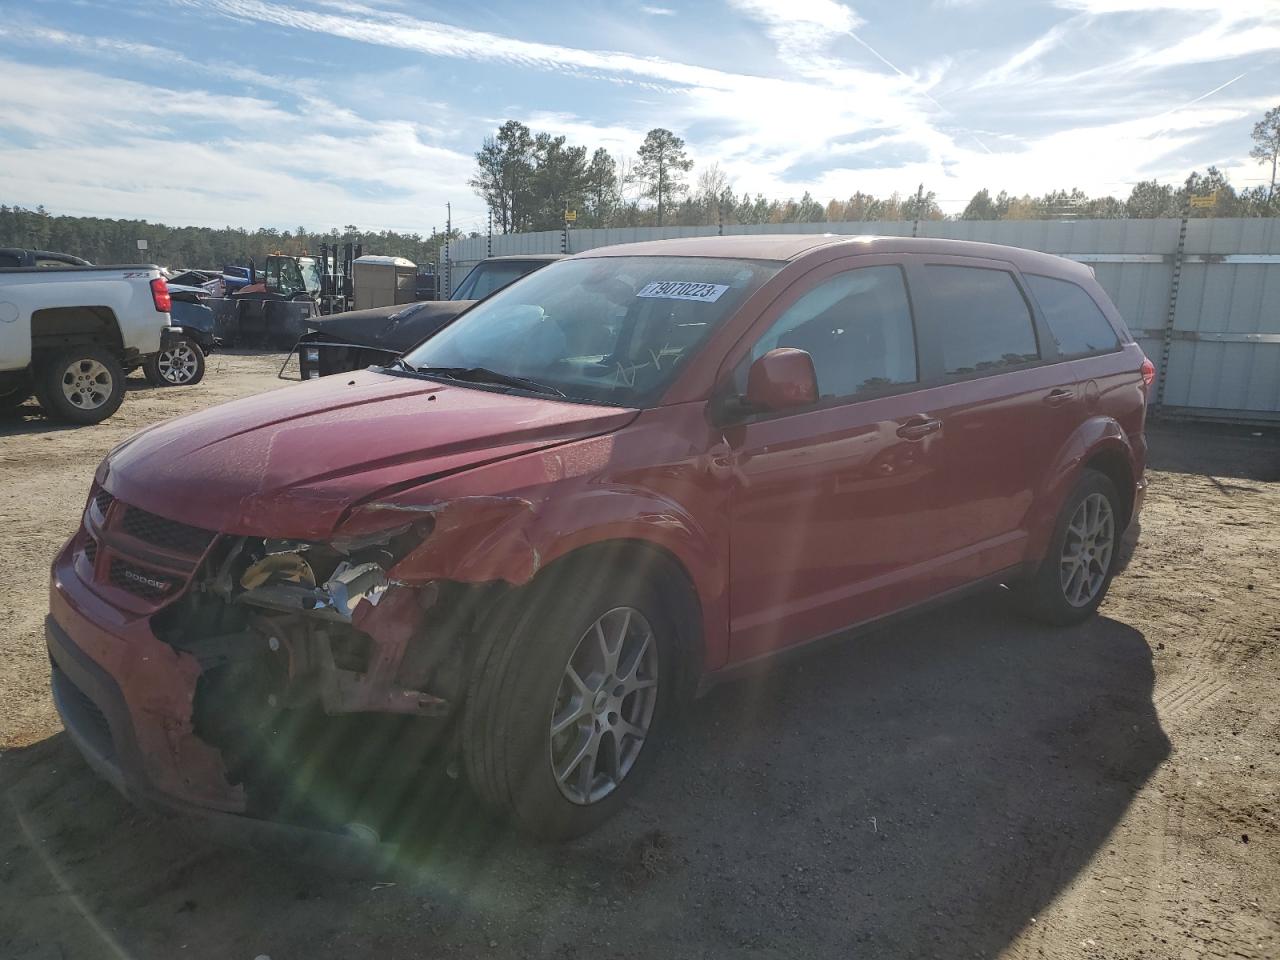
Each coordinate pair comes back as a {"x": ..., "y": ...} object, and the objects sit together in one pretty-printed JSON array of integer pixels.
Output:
[
  {"x": 104, "y": 146},
  {"x": 768, "y": 123},
  {"x": 1205, "y": 31},
  {"x": 801, "y": 25},
  {"x": 1074, "y": 105}
]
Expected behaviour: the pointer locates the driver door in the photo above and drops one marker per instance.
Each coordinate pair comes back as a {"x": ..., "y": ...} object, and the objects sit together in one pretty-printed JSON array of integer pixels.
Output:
[{"x": 831, "y": 511}]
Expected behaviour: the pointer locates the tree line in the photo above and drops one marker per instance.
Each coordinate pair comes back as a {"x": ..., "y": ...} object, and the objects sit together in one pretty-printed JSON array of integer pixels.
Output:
[
  {"x": 102, "y": 240},
  {"x": 529, "y": 180}
]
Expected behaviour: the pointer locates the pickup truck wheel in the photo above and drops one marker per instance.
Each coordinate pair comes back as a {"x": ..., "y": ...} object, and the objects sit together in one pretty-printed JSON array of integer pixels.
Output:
[
  {"x": 1074, "y": 576},
  {"x": 80, "y": 385},
  {"x": 570, "y": 701},
  {"x": 181, "y": 365}
]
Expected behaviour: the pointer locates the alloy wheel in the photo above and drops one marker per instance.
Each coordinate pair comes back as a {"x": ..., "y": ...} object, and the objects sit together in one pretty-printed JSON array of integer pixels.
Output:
[
  {"x": 1087, "y": 550},
  {"x": 87, "y": 384},
  {"x": 604, "y": 706},
  {"x": 178, "y": 364}
]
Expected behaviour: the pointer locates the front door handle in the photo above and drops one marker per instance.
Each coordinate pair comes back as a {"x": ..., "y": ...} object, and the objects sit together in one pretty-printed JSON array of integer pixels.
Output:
[
  {"x": 919, "y": 427},
  {"x": 1055, "y": 398}
]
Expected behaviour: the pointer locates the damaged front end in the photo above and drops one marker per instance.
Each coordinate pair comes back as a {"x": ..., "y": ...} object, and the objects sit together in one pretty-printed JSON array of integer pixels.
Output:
[
  {"x": 288, "y": 661},
  {"x": 336, "y": 628}
]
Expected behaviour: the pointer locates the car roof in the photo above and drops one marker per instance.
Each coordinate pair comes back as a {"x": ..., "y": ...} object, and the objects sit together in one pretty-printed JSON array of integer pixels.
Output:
[
  {"x": 548, "y": 257},
  {"x": 793, "y": 246}
]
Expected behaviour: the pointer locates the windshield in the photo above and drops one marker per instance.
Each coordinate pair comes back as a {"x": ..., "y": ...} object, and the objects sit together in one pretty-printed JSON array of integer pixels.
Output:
[
  {"x": 485, "y": 278},
  {"x": 311, "y": 273},
  {"x": 608, "y": 329}
]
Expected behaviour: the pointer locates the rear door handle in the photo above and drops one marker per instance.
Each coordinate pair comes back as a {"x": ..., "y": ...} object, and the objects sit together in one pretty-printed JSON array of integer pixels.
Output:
[
  {"x": 919, "y": 427},
  {"x": 1055, "y": 398}
]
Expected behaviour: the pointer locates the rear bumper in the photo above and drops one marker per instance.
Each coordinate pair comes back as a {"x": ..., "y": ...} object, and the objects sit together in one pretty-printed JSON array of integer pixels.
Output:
[{"x": 170, "y": 337}]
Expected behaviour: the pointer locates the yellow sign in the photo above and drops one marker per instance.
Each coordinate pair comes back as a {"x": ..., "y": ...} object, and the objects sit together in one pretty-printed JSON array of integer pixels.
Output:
[
  {"x": 570, "y": 216},
  {"x": 1208, "y": 201}
]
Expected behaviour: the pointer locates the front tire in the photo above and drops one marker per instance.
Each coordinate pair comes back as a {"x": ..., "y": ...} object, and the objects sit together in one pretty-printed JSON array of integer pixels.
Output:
[
  {"x": 1072, "y": 580},
  {"x": 181, "y": 365},
  {"x": 80, "y": 385},
  {"x": 571, "y": 699}
]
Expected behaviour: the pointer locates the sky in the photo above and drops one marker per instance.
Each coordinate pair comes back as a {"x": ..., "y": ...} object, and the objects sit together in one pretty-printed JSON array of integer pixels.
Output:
[{"x": 322, "y": 113}]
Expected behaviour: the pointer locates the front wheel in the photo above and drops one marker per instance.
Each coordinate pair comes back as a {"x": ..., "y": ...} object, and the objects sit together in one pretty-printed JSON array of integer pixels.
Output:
[
  {"x": 181, "y": 365},
  {"x": 570, "y": 701},
  {"x": 1076, "y": 573}
]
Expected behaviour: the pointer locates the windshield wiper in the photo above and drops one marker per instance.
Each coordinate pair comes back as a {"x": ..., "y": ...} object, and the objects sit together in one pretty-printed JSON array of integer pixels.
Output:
[
  {"x": 485, "y": 375},
  {"x": 404, "y": 364}
]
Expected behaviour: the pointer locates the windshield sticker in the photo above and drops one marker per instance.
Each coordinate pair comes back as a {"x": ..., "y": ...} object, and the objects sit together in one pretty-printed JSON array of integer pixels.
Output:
[{"x": 683, "y": 290}]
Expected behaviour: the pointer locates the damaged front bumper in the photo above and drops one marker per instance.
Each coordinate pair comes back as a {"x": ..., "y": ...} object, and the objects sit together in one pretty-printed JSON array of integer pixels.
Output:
[
  {"x": 143, "y": 743},
  {"x": 143, "y": 692},
  {"x": 98, "y": 721}
]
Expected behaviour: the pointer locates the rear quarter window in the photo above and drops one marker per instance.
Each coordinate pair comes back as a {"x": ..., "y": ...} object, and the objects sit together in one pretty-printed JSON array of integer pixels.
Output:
[
  {"x": 986, "y": 323},
  {"x": 1077, "y": 323}
]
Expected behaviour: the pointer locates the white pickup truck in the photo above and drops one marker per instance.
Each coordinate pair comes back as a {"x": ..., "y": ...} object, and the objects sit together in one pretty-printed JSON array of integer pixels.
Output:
[{"x": 69, "y": 334}]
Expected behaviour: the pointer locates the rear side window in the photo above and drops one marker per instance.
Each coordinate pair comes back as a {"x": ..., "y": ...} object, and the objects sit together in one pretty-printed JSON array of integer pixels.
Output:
[
  {"x": 1077, "y": 325},
  {"x": 857, "y": 328},
  {"x": 986, "y": 323}
]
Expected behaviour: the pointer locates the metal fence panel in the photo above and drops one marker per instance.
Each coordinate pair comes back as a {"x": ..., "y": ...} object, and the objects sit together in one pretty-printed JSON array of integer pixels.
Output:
[{"x": 1224, "y": 342}]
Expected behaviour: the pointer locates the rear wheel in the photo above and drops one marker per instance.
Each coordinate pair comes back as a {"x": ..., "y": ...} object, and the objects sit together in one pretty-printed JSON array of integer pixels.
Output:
[
  {"x": 1074, "y": 577},
  {"x": 181, "y": 365},
  {"x": 81, "y": 385},
  {"x": 570, "y": 701}
]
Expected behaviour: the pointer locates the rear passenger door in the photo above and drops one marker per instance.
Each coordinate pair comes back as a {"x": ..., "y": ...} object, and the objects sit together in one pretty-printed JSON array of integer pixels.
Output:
[{"x": 1003, "y": 407}]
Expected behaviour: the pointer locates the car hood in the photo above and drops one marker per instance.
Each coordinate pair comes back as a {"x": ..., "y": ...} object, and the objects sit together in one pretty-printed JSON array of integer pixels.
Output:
[
  {"x": 291, "y": 462},
  {"x": 395, "y": 328}
]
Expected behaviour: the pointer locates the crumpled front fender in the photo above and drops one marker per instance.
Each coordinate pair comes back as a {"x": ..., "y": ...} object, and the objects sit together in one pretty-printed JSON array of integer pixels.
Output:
[{"x": 479, "y": 539}]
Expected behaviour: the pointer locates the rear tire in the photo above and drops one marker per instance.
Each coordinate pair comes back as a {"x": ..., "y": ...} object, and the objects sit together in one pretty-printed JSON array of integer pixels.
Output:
[
  {"x": 545, "y": 690},
  {"x": 1083, "y": 555},
  {"x": 181, "y": 365},
  {"x": 80, "y": 385}
]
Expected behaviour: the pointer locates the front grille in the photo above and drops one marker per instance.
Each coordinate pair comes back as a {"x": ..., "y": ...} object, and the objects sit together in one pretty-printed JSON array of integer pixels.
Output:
[
  {"x": 166, "y": 534},
  {"x": 91, "y": 550},
  {"x": 140, "y": 581},
  {"x": 102, "y": 500},
  {"x": 83, "y": 714}
]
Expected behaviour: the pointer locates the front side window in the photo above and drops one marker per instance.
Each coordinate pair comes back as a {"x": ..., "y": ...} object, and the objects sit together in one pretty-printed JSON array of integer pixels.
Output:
[
  {"x": 601, "y": 329},
  {"x": 857, "y": 328},
  {"x": 1077, "y": 325},
  {"x": 985, "y": 323}
]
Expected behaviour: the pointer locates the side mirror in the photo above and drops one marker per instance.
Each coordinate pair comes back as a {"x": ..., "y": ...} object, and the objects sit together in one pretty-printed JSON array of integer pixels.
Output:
[{"x": 781, "y": 380}]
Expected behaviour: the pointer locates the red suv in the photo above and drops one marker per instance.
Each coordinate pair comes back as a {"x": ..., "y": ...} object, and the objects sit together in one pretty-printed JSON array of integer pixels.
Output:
[{"x": 620, "y": 479}]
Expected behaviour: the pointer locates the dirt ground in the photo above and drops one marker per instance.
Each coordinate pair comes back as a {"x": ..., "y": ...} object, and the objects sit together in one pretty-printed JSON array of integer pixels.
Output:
[{"x": 959, "y": 785}]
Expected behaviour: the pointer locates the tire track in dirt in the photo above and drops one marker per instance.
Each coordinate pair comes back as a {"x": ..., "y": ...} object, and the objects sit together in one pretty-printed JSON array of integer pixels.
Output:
[{"x": 1189, "y": 696}]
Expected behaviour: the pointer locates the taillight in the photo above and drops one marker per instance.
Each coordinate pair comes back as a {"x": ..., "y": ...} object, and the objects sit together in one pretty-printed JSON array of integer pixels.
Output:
[
  {"x": 160, "y": 295},
  {"x": 1148, "y": 370}
]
